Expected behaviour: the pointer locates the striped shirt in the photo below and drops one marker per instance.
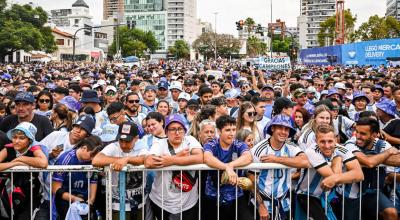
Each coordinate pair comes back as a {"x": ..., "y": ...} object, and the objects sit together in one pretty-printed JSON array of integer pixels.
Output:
[
  {"x": 310, "y": 179},
  {"x": 306, "y": 139},
  {"x": 274, "y": 183}
]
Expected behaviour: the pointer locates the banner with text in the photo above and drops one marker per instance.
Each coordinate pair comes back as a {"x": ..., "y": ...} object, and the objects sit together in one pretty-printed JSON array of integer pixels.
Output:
[
  {"x": 274, "y": 63},
  {"x": 319, "y": 56},
  {"x": 374, "y": 53}
]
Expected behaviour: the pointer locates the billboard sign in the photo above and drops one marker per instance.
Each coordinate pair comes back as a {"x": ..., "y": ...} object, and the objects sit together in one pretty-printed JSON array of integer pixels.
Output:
[
  {"x": 319, "y": 56},
  {"x": 274, "y": 63},
  {"x": 373, "y": 53}
]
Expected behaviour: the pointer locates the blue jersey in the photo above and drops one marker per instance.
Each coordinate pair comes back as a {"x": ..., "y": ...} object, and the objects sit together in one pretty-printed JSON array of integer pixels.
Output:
[
  {"x": 227, "y": 192},
  {"x": 79, "y": 180}
]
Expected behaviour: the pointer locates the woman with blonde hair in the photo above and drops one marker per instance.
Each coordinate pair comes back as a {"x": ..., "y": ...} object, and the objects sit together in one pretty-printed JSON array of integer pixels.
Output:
[
  {"x": 322, "y": 115},
  {"x": 247, "y": 120},
  {"x": 246, "y": 136}
]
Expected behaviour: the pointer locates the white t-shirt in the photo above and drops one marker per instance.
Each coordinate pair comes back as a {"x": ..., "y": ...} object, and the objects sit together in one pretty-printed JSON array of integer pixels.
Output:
[
  {"x": 164, "y": 193},
  {"x": 347, "y": 126},
  {"x": 134, "y": 180},
  {"x": 57, "y": 139}
]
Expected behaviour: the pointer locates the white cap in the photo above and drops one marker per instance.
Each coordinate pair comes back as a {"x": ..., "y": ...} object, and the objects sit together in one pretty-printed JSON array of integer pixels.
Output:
[
  {"x": 184, "y": 95},
  {"x": 95, "y": 86},
  {"x": 101, "y": 82},
  {"x": 340, "y": 85},
  {"x": 108, "y": 88},
  {"x": 176, "y": 85},
  {"x": 77, "y": 78}
]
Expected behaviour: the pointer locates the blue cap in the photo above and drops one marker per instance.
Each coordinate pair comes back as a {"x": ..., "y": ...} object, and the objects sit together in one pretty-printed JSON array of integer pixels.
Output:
[
  {"x": 71, "y": 103},
  {"x": 28, "y": 128},
  {"x": 358, "y": 95},
  {"x": 232, "y": 94},
  {"x": 378, "y": 87},
  {"x": 151, "y": 87},
  {"x": 235, "y": 74},
  {"x": 282, "y": 120},
  {"x": 333, "y": 91},
  {"x": 163, "y": 84},
  {"x": 24, "y": 97},
  {"x": 90, "y": 96},
  {"x": 86, "y": 122},
  {"x": 174, "y": 118},
  {"x": 387, "y": 106}
]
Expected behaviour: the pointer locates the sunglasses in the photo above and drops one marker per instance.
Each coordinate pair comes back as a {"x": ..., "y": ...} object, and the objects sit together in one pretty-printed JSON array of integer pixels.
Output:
[
  {"x": 133, "y": 101},
  {"x": 111, "y": 93},
  {"x": 251, "y": 114},
  {"x": 44, "y": 100}
]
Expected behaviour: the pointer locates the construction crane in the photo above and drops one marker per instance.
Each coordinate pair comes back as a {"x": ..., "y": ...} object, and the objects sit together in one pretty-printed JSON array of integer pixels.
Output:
[{"x": 340, "y": 29}]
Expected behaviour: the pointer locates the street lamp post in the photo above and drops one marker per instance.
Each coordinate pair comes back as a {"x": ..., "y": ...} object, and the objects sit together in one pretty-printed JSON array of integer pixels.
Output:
[
  {"x": 215, "y": 33},
  {"x": 87, "y": 28}
]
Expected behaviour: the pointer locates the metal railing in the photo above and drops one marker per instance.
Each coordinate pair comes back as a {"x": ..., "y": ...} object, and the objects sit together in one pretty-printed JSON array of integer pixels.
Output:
[{"x": 200, "y": 167}]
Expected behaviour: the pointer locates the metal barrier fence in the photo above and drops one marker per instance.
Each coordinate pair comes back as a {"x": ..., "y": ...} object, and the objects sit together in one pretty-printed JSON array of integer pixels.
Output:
[{"x": 200, "y": 167}]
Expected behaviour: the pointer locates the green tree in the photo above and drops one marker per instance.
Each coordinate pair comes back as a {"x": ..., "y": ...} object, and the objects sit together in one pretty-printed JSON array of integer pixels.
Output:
[
  {"x": 22, "y": 28},
  {"x": 378, "y": 28},
  {"x": 327, "y": 33},
  {"x": 226, "y": 44},
  {"x": 134, "y": 42},
  {"x": 180, "y": 49},
  {"x": 255, "y": 47},
  {"x": 250, "y": 23}
]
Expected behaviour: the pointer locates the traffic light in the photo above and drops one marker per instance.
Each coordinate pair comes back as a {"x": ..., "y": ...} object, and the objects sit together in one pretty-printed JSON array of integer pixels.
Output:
[
  {"x": 260, "y": 30},
  {"x": 131, "y": 24},
  {"x": 239, "y": 25}
]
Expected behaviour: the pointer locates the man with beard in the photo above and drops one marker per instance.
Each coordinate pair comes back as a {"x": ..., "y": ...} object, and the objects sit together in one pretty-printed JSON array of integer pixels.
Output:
[
  {"x": 162, "y": 92},
  {"x": 371, "y": 152},
  {"x": 133, "y": 110},
  {"x": 267, "y": 92}
]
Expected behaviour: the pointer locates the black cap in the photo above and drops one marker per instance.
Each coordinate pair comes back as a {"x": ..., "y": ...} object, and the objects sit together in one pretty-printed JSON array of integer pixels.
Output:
[
  {"x": 283, "y": 102},
  {"x": 193, "y": 102},
  {"x": 61, "y": 90},
  {"x": 189, "y": 82},
  {"x": 127, "y": 131}
]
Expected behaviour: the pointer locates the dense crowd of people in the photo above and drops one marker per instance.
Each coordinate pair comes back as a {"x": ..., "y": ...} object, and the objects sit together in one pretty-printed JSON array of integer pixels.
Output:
[{"x": 335, "y": 127}]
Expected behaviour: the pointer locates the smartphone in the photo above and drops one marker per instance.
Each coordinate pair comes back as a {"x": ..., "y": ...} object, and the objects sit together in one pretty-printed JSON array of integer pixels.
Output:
[{"x": 248, "y": 64}]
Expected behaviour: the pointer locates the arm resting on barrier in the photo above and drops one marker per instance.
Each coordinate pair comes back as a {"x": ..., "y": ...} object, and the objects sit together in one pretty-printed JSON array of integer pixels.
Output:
[
  {"x": 245, "y": 159},
  {"x": 101, "y": 160},
  {"x": 8, "y": 165},
  {"x": 393, "y": 160},
  {"x": 372, "y": 161},
  {"x": 213, "y": 162},
  {"x": 337, "y": 165},
  {"x": 353, "y": 174},
  {"x": 39, "y": 160},
  {"x": 299, "y": 161}
]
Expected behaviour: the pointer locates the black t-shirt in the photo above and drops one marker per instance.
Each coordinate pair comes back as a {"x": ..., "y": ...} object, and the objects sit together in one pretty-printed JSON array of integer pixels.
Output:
[
  {"x": 42, "y": 124},
  {"x": 391, "y": 128},
  {"x": 3, "y": 140}
]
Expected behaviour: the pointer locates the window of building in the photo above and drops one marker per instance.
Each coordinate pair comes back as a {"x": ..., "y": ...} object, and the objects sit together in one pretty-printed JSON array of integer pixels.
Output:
[{"x": 60, "y": 41}]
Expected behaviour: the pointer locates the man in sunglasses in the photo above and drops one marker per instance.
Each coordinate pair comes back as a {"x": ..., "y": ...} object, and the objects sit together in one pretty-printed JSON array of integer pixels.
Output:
[
  {"x": 133, "y": 110},
  {"x": 110, "y": 95}
]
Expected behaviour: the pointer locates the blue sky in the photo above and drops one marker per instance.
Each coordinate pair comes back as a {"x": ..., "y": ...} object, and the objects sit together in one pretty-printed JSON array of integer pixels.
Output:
[{"x": 231, "y": 11}]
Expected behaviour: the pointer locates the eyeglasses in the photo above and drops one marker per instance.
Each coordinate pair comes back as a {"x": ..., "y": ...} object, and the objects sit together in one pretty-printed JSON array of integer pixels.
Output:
[
  {"x": 251, "y": 114},
  {"x": 133, "y": 101},
  {"x": 176, "y": 130},
  {"x": 44, "y": 100},
  {"x": 320, "y": 85}
]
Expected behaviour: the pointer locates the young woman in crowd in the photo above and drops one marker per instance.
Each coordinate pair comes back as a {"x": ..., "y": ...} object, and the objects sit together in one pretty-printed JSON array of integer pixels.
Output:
[
  {"x": 246, "y": 136},
  {"x": 301, "y": 118},
  {"x": 322, "y": 115},
  {"x": 44, "y": 103},
  {"x": 163, "y": 108},
  {"x": 246, "y": 120}
]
